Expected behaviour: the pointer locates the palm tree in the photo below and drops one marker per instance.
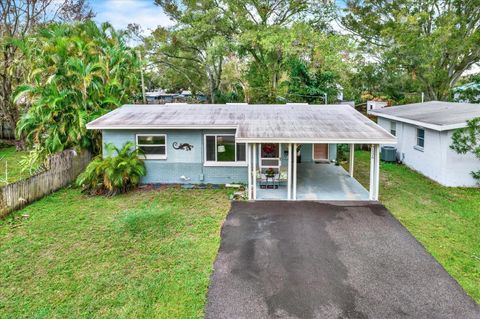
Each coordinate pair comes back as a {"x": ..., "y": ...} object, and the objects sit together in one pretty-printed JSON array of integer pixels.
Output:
[{"x": 78, "y": 72}]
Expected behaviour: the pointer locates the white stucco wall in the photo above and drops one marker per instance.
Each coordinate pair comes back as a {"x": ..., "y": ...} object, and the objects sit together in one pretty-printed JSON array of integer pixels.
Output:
[{"x": 437, "y": 161}]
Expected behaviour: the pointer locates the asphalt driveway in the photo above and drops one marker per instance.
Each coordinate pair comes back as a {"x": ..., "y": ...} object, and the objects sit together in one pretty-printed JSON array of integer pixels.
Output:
[{"x": 327, "y": 260}]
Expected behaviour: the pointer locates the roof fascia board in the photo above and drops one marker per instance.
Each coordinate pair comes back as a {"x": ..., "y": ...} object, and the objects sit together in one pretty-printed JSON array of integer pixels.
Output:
[
  {"x": 163, "y": 127},
  {"x": 420, "y": 123},
  {"x": 315, "y": 141}
]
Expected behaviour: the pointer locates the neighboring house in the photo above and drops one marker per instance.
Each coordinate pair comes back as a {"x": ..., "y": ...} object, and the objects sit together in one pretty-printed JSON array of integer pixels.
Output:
[
  {"x": 424, "y": 133},
  {"x": 376, "y": 105},
  {"x": 251, "y": 144},
  {"x": 161, "y": 97}
]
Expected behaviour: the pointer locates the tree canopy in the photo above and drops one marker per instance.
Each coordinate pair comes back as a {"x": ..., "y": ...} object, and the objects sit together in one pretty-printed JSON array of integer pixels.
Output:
[
  {"x": 19, "y": 18},
  {"x": 78, "y": 72},
  {"x": 434, "y": 41}
]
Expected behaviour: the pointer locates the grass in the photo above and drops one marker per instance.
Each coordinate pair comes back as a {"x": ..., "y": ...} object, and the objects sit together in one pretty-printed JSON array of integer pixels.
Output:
[
  {"x": 445, "y": 220},
  {"x": 10, "y": 159},
  {"x": 146, "y": 254}
]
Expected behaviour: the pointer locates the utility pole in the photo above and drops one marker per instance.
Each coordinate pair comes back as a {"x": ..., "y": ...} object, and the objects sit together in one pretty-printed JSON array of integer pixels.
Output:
[{"x": 141, "y": 76}]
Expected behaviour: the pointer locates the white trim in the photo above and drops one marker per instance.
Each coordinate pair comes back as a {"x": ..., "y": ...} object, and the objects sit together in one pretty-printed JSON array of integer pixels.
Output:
[
  {"x": 162, "y": 127},
  {"x": 377, "y": 171},
  {"x": 295, "y": 171},
  {"x": 321, "y": 141},
  {"x": 249, "y": 160},
  {"x": 216, "y": 163},
  {"x": 372, "y": 164},
  {"x": 435, "y": 127},
  {"x": 254, "y": 182},
  {"x": 313, "y": 152},
  {"x": 153, "y": 156},
  {"x": 351, "y": 160},
  {"x": 289, "y": 173},
  {"x": 225, "y": 164},
  {"x": 392, "y": 140},
  {"x": 374, "y": 172}
]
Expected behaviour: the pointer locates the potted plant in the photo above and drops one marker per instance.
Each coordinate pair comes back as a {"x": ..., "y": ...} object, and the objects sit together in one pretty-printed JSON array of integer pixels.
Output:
[{"x": 270, "y": 172}]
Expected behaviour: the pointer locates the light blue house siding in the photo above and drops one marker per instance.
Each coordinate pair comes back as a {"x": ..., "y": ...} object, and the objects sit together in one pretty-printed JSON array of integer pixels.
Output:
[
  {"x": 184, "y": 167},
  {"x": 180, "y": 163}
]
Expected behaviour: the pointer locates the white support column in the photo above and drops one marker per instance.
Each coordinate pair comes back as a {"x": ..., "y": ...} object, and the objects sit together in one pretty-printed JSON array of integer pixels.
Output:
[
  {"x": 374, "y": 171},
  {"x": 254, "y": 171},
  {"x": 352, "y": 159},
  {"x": 289, "y": 172},
  {"x": 372, "y": 175},
  {"x": 295, "y": 171},
  {"x": 249, "y": 160},
  {"x": 377, "y": 171}
]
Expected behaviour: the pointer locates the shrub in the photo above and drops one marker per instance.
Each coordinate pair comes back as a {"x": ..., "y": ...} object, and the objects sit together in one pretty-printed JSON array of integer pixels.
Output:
[
  {"x": 342, "y": 151},
  {"x": 113, "y": 174}
]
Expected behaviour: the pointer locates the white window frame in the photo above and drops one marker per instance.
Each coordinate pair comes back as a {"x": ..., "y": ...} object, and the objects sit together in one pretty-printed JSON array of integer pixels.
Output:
[
  {"x": 153, "y": 156},
  {"x": 393, "y": 128},
  {"x": 418, "y": 147},
  {"x": 216, "y": 163}
]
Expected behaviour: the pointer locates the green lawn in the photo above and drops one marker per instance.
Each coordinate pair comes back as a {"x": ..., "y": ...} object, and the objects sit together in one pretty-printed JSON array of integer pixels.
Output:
[
  {"x": 445, "y": 220},
  {"x": 10, "y": 159},
  {"x": 146, "y": 254}
]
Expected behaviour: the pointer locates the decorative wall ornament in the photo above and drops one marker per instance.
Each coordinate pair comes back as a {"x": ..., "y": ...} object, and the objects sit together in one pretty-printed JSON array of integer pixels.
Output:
[{"x": 183, "y": 146}]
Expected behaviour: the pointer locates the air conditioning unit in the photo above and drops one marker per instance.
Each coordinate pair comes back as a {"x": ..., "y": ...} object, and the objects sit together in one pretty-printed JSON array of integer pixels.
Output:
[{"x": 388, "y": 154}]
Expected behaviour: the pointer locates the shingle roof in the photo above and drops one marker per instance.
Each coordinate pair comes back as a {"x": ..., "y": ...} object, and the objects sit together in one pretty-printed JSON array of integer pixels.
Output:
[
  {"x": 281, "y": 123},
  {"x": 436, "y": 115}
]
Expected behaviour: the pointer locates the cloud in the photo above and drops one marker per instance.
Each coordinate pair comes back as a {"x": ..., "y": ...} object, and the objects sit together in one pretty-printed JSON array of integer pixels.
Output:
[{"x": 120, "y": 13}]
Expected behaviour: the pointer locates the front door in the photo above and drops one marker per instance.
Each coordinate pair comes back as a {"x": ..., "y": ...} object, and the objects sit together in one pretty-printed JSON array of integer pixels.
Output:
[{"x": 320, "y": 152}]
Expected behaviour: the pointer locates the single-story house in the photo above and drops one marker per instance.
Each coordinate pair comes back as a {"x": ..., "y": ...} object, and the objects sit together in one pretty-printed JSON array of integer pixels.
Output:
[
  {"x": 424, "y": 132},
  {"x": 279, "y": 151}
]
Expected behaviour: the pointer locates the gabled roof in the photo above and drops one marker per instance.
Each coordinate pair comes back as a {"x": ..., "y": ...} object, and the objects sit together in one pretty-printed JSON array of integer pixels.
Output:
[
  {"x": 254, "y": 123},
  {"x": 436, "y": 115}
]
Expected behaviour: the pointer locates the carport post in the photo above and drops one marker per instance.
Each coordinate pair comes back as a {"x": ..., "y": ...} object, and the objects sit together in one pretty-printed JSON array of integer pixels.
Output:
[
  {"x": 352, "y": 159},
  {"x": 254, "y": 171},
  {"x": 295, "y": 171},
  {"x": 289, "y": 173},
  {"x": 249, "y": 160},
  {"x": 374, "y": 171},
  {"x": 377, "y": 171}
]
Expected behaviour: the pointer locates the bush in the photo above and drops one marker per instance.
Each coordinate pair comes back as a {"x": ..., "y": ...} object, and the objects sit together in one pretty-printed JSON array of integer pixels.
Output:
[
  {"x": 342, "y": 151},
  {"x": 113, "y": 174}
]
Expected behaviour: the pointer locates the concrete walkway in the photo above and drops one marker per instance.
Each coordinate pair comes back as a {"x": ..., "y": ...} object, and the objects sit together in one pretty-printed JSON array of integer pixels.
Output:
[
  {"x": 320, "y": 181},
  {"x": 327, "y": 260}
]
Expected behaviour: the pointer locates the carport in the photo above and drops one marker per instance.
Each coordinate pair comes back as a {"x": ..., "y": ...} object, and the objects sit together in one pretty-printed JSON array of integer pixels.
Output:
[{"x": 312, "y": 125}]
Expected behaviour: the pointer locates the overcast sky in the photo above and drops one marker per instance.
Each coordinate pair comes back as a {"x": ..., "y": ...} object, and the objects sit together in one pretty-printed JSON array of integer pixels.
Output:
[{"x": 122, "y": 12}]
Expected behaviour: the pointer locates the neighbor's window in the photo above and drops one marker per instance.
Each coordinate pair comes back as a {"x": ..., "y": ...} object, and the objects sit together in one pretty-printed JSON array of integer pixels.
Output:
[
  {"x": 393, "y": 128},
  {"x": 224, "y": 149},
  {"x": 154, "y": 146},
  {"x": 420, "y": 137}
]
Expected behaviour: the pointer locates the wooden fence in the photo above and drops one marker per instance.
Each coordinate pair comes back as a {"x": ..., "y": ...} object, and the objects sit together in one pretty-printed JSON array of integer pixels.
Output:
[{"x": 63, "y": 168}]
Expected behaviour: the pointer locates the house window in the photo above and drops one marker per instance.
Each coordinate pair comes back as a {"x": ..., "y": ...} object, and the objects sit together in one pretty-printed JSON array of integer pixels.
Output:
[
  {"x": 393, "y": 128},
  {"x": 420, "y": 137},
  {"x": 221, "y": 149},
  {"x": 154, "y": 146}
]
